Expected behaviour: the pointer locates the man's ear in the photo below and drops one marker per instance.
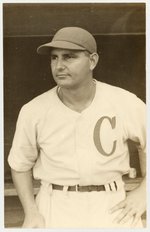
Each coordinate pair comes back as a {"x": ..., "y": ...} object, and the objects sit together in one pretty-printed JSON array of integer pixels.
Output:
[{"x": 94, "y": 57}]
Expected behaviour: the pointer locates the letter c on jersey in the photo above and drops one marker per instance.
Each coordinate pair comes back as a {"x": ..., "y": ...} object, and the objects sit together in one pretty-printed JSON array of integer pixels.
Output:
[{"x": 97, "y": 139}]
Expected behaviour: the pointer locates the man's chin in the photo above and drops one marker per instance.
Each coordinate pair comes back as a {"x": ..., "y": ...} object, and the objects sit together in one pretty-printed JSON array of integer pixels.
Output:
[{"x": 64, "y": 84}]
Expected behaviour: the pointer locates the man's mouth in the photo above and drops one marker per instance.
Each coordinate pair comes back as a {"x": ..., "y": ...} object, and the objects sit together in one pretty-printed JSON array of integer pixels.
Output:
[{"x": 61, "y": 75}]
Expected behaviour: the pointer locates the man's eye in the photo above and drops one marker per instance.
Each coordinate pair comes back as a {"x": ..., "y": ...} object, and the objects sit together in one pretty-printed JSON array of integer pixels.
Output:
[
  {"x": 69, "y": 56},
  {"x": 53, "y": 57}
]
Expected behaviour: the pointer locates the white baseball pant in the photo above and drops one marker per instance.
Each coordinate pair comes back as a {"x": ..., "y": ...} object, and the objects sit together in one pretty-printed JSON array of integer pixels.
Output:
[{"x": 68, "y": 209}]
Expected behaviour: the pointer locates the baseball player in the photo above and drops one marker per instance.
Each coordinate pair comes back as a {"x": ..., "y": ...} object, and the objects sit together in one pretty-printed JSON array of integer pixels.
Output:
[{"x": 73, "y": 138}]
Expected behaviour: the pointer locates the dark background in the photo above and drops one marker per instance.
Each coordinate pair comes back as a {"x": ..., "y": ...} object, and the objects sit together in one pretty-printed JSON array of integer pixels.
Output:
[{"x": 119, "y": 29}]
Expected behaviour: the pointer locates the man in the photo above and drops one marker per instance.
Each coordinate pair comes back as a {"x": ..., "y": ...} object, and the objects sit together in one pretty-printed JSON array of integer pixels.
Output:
[{"x": 74, "y": 138}]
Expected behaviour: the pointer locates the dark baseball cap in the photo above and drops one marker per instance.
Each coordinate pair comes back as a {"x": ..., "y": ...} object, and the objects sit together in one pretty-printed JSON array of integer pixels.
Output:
[{"x": 73, "y": 38}]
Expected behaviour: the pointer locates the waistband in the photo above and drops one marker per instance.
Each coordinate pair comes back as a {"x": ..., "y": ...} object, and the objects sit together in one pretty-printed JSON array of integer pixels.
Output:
[
  {"x": 78, "y": 188},
  {"x": 112, "y": 186}
]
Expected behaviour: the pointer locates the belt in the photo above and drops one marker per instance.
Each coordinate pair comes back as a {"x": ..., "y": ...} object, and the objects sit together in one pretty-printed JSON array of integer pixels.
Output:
[{"x": 88, "y": 188}]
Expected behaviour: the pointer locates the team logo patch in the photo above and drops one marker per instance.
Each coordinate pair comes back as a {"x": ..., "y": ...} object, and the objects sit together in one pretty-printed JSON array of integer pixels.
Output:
[{"x": 97, "y": 138}]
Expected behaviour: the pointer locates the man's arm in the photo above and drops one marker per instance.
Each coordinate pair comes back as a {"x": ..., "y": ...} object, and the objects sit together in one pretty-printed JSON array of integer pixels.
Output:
[
  {"x": 135, "y": 202},
  {"x": 24, "y": 187}
]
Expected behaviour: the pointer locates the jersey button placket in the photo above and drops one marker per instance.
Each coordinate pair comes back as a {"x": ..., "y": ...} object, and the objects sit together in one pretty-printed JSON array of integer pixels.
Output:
[{"x": 83, "y": 158}]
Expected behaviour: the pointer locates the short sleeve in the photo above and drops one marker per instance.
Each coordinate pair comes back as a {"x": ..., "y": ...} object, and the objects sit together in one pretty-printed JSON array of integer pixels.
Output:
[
  {"x": 135, "y": 122},
  {"x": 24, "y": 150}
]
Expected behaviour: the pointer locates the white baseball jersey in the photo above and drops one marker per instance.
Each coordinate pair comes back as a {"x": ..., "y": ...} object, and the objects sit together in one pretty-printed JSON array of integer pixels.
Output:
[{"x": 67, "y": 147}]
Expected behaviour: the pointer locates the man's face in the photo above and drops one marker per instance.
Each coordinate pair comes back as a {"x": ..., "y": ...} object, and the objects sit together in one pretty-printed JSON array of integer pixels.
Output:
[{"x": 70, "y": 68}]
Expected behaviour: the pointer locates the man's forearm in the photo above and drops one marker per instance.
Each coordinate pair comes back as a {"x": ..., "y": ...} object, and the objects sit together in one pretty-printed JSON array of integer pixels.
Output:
[
  {"x": 142, "y": 186},
  {"x": 24, "y": 187}
]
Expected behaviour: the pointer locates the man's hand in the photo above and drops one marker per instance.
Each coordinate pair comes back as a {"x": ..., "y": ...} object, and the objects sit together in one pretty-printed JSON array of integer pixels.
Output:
[
  {"x": 34, "y": 220},
  {"x": 133, "y": 206}
]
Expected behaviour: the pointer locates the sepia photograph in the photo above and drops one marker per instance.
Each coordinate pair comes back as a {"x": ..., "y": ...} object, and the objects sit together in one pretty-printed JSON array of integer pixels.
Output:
[{"x": 74, "y": 83}]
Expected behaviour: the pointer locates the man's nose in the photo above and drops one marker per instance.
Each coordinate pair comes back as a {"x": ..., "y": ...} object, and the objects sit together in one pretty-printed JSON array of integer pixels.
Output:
[{"x": 60, "y": 64}]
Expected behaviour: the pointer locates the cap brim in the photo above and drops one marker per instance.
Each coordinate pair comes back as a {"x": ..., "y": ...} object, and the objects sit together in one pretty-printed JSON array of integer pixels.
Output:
[{"x": 45, "y": 48}]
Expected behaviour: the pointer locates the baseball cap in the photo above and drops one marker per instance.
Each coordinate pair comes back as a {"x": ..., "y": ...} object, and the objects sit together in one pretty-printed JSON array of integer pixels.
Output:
[{"x": 73, "y": 38}]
